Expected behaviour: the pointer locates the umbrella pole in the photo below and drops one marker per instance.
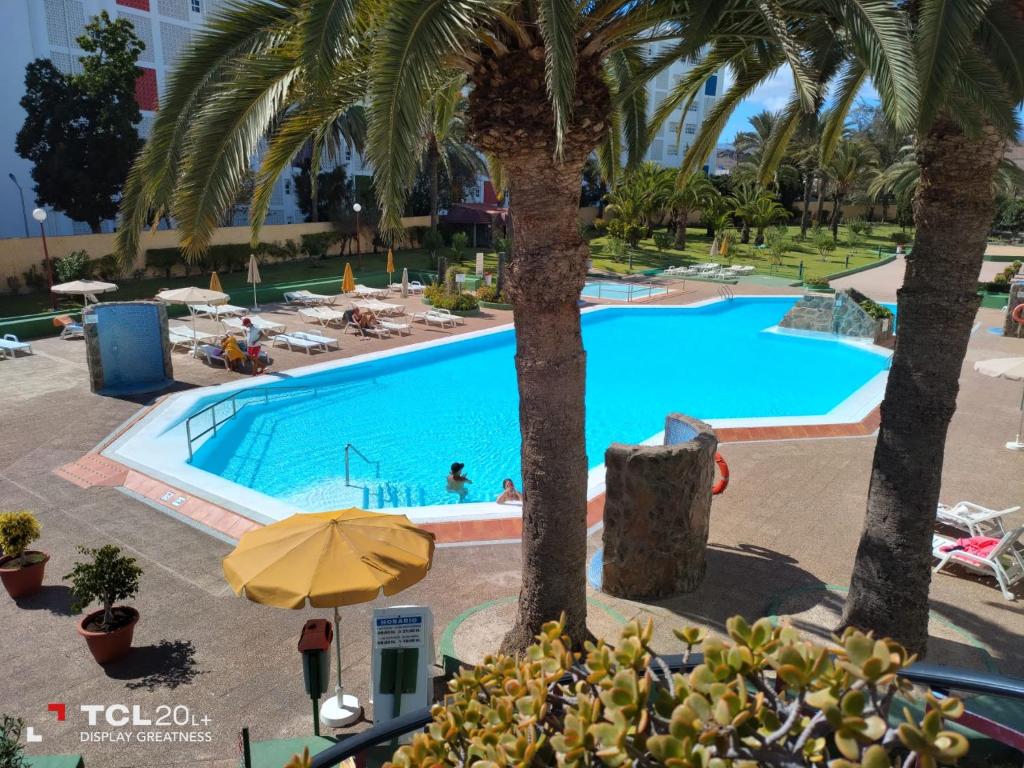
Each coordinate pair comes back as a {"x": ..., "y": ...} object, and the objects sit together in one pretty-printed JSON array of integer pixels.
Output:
[
  {"x": 337, "y": 649},
  {"x": 341, "y": 710},
  {"x": 255, "y": 307},
  {"x": 1018, "y": 444},
  {"x": 195, "y": 344}
]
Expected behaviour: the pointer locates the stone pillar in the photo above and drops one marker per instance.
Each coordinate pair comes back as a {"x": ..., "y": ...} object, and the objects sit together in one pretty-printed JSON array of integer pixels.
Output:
[
  {"x": 1011, "y": 328},
  {"x": 657, "y": 511}
]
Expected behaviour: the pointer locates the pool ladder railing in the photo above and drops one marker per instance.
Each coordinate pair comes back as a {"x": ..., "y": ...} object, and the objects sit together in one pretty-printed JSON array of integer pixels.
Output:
[
  {"x": 726, "y": 293},
  {"x": 350, "y": 449},
  {"x": 261, "y": 395}
]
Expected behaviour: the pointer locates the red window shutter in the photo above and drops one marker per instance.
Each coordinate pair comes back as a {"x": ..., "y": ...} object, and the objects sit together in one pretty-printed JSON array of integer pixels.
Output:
[
  {"x": 141, "y": 5},
  {"x": 145, "y": 89}
]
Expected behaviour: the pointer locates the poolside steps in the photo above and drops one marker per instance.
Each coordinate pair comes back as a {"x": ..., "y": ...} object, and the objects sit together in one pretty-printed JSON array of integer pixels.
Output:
[{"x": 93, "y": 470}]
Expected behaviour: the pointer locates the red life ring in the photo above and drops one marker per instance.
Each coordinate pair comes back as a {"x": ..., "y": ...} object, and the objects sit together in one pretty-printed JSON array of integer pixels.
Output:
[
  {"x": 1018, "y": 314},
  {"x": 723, "y": 468}
]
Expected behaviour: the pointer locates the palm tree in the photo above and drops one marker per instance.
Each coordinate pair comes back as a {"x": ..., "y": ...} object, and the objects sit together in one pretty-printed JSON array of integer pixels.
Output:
[
  {"x": 445, "y": 142},
  {"x": 750, "y": 145},
  {"x": 762, "y": 212},
  {"x": 692, "y": 193},
  {"x": 743, "y": 200},
  {"x": 851, "y": 165},
  {"x": 902, "y": 176}
]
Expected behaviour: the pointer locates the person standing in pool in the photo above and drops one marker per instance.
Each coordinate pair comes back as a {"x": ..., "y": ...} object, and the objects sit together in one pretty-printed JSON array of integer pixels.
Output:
[
  {"x": 457, "y": 481},
  {"x": 509, "y": 493}
]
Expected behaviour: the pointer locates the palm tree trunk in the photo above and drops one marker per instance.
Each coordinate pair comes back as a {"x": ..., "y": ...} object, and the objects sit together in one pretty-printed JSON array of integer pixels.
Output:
[
  {"x": 938, "y": 302},
  {"x": 545, "y": 276},
  {"x": 681, "y": 221},
  {"x": 821, "y": 199},
  {"x": 805, "y": 216},
  {"x": 838, "y": 205},
  {"x": 432, "y": 161},
  {"x": 745, "y": 233}
]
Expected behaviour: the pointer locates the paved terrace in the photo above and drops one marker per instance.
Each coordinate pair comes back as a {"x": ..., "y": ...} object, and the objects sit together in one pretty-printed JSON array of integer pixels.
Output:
[{"x": 782, "y": 542}]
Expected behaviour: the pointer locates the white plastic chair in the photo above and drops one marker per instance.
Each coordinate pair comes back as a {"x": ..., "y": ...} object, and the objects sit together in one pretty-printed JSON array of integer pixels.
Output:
[
  {"x": 1005, "y": 562},
  {"x": 974, "y": 518}
]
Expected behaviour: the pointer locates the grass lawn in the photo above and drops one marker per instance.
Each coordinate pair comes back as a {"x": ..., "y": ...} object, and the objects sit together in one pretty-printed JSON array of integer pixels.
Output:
[{"x": 698, "y": 249}]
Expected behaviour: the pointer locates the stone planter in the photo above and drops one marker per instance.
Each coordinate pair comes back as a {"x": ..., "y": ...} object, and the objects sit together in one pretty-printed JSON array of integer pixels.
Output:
[
  {"x": 819, "y": 288},
  {"x": 494, "y": 305},
  {"x": 109, "y": 646},
  {"x": 26, "y": 580}
]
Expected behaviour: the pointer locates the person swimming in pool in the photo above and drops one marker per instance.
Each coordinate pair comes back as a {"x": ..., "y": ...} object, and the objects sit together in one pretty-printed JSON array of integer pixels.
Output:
[
  {"x": 509, "y": 492},
  {"x": 457, "y": 481}
]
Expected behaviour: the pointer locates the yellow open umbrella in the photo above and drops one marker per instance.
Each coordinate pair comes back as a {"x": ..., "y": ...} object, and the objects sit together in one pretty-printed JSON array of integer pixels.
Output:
[
  {"x": 391, "y": 264},
  {"x": 330, "y": 559},
  {"x": 348, "y": 280},
  {"x": 215, "y": 282}
]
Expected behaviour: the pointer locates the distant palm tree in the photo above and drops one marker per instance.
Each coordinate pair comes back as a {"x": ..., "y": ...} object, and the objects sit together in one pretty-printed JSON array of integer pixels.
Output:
[
  {"x": 902, "y": 177},
  {"x": 743, "y": 201},
  {"x": 693, "y": 193},
  {"x": 750, "y": 145},
  {"x": 852, "y": 165},
  {"x": 763, "y": 212},
  {"x": 445, "y": 140}
]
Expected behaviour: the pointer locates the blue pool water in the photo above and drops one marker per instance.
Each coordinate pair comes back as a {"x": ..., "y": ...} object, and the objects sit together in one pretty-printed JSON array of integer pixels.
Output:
[
  {"x": 419, "y": 411},
  {"x": 620, "y": 291}
]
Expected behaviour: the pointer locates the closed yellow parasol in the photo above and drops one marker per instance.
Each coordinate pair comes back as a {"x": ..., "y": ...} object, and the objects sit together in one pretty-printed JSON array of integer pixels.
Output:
[
  {"x": 391, "y": 264},
  {"x": 348, "y": 280},
  {"x": 215, "y": 282},
  {"x": 330, "y": 559}
]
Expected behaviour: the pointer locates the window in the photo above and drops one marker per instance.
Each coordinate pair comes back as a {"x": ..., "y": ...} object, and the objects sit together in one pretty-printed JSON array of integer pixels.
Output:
[
  {"x": 711, "y": 86},
  {"x": 691, "y": 128},
  {"x": 693, "y": 107},
  {"x": 287, "y": 187},
  {"x": 672, "y": 148},
  {"x": 673, "y": 129},
  {"x": 348, "y": 153},
  {"x": 197, "y": 6}
]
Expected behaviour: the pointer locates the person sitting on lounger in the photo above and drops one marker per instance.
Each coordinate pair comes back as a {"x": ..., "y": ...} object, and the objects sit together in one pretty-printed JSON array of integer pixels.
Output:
[
  {"x": 457, "y": 481},
  {"x": 509, "y": 492},
  {"x": 232, "y": 353}
]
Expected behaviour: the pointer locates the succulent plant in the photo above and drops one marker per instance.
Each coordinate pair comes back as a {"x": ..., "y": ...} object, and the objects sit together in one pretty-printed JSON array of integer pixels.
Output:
[{"x": 766, "y": 696}]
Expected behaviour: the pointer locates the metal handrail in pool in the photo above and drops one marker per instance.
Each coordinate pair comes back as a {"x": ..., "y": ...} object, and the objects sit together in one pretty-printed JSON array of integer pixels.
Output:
[
  {"x": 233, "y": 399},
  {"x": 650, "y": 287},
  {"x": 351, "y": 448}
]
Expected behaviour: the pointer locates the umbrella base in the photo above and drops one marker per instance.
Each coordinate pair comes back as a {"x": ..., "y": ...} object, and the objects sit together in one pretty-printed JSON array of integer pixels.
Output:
[
  {"x": 1015, "y": 445},
  {"x": 335, "y": 716}
]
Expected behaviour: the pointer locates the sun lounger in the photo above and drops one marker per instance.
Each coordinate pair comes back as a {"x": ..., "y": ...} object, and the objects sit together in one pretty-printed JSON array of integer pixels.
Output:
[
  {"x": 69, "y": 329},
  {"x": 379, "y": 307},
  {"x": 435, "y": 317},
  {"x": 318, "y": 338},
  {"x": 366, "y": 331},
  {"x": 308, "y": 298},
  {"x": 296, "y": 341},
  {"x": 1005, "y": 561},
  {"x": 217, "y": 311},
  {"x": 234, "y": 325},
  {"x": 415, "y": 286},
  {"x": 741, "y": 270},
  {"x": 322, "y": 315},
  {"x": 212, "y": 353},
  {"x": 372, "y": 293},
  {"x": 974, "y": 518},
  {"x": 10, "y": 343},
  {"x": 402, "y": 329},
  {"x": 183, "y": 335}
]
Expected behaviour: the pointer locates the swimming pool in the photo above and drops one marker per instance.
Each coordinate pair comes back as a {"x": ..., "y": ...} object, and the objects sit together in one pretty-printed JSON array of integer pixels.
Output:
[
  {"x": 417, "y": 411},
  {"x": 603, "y": 289}
]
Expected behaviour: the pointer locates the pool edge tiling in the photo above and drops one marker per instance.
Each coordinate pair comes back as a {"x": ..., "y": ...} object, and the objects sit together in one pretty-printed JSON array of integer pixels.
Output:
[{"x": 159, "y": 470}]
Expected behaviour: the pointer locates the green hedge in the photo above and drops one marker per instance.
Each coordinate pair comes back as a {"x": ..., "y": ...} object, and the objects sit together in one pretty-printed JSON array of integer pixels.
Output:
[{"x": 228, "y": 257}]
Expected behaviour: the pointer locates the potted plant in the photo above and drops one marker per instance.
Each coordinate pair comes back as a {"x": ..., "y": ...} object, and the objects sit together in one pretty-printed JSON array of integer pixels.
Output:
[
  {"x": 818, "y": 285},
  {"x": 106, "y": 578},
  {"x": 11, "y": 751},
  {"x": 21, "y": 569}
]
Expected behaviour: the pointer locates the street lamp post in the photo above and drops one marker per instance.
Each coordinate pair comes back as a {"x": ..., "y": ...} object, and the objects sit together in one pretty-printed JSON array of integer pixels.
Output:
[
  {"x": 40, "y": 215},
  {"x": 21, "y": 195},
  {"x": 357, "y": 208}
]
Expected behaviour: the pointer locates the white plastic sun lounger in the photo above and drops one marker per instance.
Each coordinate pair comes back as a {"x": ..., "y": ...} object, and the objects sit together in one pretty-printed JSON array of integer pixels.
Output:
[
  {"x": 317, "y": 338},
  {"x": 374, "y": 330},
  {"x": 183, "y": 335},
  {"x": 402, "y": 329},
  {"x": 213, "y": 354},
  {"x": 308, "y": 298},
  {"x": 435, "y": 317},
  {"x": 323, "y": 315},
  {"x": 974, "y": 518},
  {"x": 379, "y": 307},
  {"x": 234, "y": 325},
  {"x": 1005, "y": 562},
  {"x": 10, "y": 343},
  {"x": 217, "y": 311},
  {"x": 415, "y": 286},
  {"x": 372, "y": 293},
  {"x": 295, "y": 341}
]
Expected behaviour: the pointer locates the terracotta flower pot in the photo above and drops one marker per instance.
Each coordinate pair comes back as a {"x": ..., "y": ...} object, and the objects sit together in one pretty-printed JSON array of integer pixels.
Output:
[
  {"x": 24, "y": 581},
  {"x": 109, "y": 646}
]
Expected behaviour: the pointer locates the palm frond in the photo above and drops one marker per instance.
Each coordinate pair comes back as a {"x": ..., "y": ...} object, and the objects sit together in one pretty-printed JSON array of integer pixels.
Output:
[
  {"x": 630, "y": 112},
  {"x": 846, "y": 90},
  {"x": 325, "y": 26},
  {"x": 558, "y": 20},
  {"x": 778, "y": 141}
]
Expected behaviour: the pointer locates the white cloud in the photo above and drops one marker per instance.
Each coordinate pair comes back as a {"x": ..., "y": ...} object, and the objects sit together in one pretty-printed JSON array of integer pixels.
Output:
[{"x": 773, "y": 94}]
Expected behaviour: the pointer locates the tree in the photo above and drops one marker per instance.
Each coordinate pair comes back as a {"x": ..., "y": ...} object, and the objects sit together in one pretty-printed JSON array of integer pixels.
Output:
[
  {"x": 335, "y": 194},
  {"x": 851, "y": 166},
  {"x": 744, "y": 202},
  {"x": 763, "y": 211},
  {"x": 548, "y": 85},
  {"x": 79, "y": 131},
  {"x": 445, "y": 143},
  {"x": 693, "y": 193}
]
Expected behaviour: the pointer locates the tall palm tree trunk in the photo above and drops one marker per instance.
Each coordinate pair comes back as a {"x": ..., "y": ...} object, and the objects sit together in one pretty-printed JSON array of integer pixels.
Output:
[
  {"x": 545, "y": 277},
  {"x": 937, "y": 305},
  {"x": 433, "y": 157},
  {"x": 821, "y": 200},
  {"x": 836, "y": 212},
  {"x": 805, "y": 216}
]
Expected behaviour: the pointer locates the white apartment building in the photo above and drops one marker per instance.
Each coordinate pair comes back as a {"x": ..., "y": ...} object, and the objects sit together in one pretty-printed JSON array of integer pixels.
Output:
[{"x": 34, "y": 29}]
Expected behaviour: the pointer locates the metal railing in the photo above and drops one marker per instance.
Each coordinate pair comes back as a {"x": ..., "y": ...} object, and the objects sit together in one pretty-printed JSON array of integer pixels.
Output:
[
  {"x": 937, "y": 678},
  {"x": 637, "y": 289},
  {"x": 726, "y": 293},
  {"x": 260, "y": 395},
  {"x": 349, "y": 448}
]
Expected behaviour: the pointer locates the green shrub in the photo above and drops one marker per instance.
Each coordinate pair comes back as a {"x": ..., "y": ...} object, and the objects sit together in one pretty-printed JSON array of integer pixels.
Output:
[
  {"x": 900, "y": 238},
  {"x": 875, "y": 310},
  {"x": 823, "y": 241},
  {"x": 460, "y": 242},
  {"x": 777, "y": 240},
  {"x": 662, "y": 240},
  {"x": 999, "y": 284},
  {"x": 11, "y": 750},
  {"x": 107, "y": 578},
  {"x": 14, "y": 284},
  {"x": 318, "y": 243},
  {"x": 35, "y": 278},
  {"x": 71, "y": 267},
  {"x": 763, "y": 697},
  {"x": 163, "y": 259},
  {"x": 490, "y": 294},
  {"x": 442, "y": 298},
  {"x": 17, "y": 531},
  {"x": 600, "y": 224},
  {"x": 107, "y": 268},
  {"x": 432, "y": 242},
  {"x": 503, "y": 245},
  {"x": 816, "y": 282}
]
